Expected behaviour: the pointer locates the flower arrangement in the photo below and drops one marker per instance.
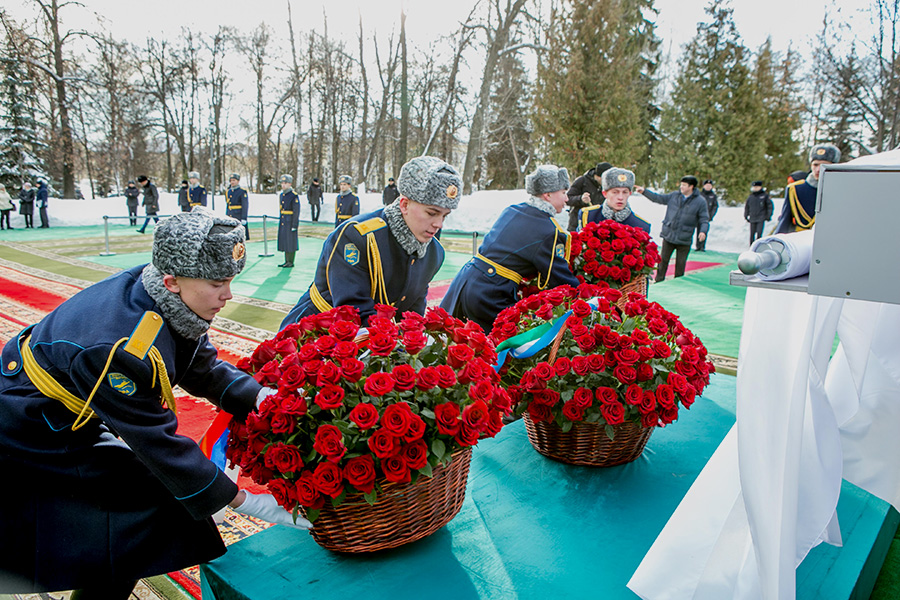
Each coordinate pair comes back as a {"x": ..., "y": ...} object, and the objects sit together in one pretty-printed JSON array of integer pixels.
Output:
[
  {"x": 613, "y": 253},
  {"x": 352, "y": 413},
  {"x": 607, "y": 366}
]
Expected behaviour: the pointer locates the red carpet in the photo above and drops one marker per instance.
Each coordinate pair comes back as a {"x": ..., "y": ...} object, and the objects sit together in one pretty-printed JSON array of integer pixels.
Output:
[{"x": 691, "y": 265}]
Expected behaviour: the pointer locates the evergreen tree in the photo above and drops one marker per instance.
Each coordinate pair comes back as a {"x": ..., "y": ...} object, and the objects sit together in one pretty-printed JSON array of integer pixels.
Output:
[
  {"x": 20, "y": 143},
  {"x": 594, "y": 97},
  {"x": 509, "y": 147}
]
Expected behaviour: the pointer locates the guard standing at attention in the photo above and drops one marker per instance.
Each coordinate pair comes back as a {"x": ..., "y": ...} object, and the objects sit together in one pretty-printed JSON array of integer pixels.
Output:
[
  {"x": 237, "y": 202},
  {"x": 617, "y": 185},
  {"x": 525, "y": 242},
  {"x": 347, "y": 204},
  {"x": 799, "y": 210},
  {"x": 111, "y": 493},
  {"x": 289, "y": 221},
  {"x": 196, "y": 192},
  {"x": 388, "y": 256}
]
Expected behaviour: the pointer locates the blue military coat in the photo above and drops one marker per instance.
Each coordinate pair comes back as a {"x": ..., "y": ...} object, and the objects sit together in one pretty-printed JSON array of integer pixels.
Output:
[
  {"x": 799, "y": 210},
  {"x": 345, "y": 207},
  {"x": 594, "y": 214},
  {"x": 123, "y": 496},
  {"x": 237, "y": 204},
  {"x": 525, "y": 242},
  {"x": 289, "y": 220},
  {"x": 197, "y": 196},
  {"x": 343, "y": 278}
]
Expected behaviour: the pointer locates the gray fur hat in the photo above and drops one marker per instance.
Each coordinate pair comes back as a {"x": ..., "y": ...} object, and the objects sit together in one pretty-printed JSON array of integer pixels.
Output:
[
  {"x": 193, "y": 175},
  {"x": 825, "y": 152},
  {"x": 199, "y": 244},
  {"x": 235, "y": 176},
  {"x": 286, "y": 179},
  {"x": 546, "y": 179},
  {"x": 345, "y": 179},
  {"x": 617, "y": 178},
  {"x": 430, "y": 180}
]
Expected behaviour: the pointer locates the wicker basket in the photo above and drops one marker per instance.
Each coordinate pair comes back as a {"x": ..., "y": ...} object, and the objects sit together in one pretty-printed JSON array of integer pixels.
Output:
[
  {"x": 587, "y": 443},
  {"x": 638, "y": 285},
  {"x": 403, "y": 513}
]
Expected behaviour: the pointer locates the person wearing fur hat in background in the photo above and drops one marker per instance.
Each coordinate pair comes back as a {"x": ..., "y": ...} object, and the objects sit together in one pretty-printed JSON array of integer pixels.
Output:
[
  {"x": 196, "y": 192},
  {"x": 288, "y": 222},
  {"x": 87, "y": 418},
  {"x": 347, "y": 204},
  {"x": 712, "y": 207},
  {"x": 799, "y": 210},
  {"x": 131, "y": 201},
  {"x": 758, "y": 209},
  {"x": 184, "y": 201},
  {"x": 388, "y": 256},
  {"x": 526, "y": 242},
  {"x": 686, "y": 212},
  {"x": 617, "y": 185},
  {"x": 237, "y": 203},
  {"x": 585, "y": 191}
]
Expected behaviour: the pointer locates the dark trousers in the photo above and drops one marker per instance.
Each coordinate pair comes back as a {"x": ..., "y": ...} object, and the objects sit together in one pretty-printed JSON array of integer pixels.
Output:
[
  {"x": 701, "y": 246},
  {"x": 45, "y": 221},
  {"x": 756, "y": 231},
  {"x": 29, "y": 220},
  {"x": 289, "y": 259},
  {"x": 247, "y": 231},
  {"x": 132, "y": 215},
  {"x": 147, "y": 222},
  {"x": 315, "y": 208},
  {"x": 4, "y": 216},
  {"x": 110, "y": 590},
  {"x": 681, "y": 256}
]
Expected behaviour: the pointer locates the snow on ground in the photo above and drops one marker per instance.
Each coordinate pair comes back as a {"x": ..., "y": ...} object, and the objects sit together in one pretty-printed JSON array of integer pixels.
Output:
[{"x": 728, "y": 231}]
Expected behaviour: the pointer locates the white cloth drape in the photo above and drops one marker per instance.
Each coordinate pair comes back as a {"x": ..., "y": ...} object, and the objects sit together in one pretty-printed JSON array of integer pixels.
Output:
[
  {"x": 798, "y": 246},
  {"x": 769, "y": 493}
]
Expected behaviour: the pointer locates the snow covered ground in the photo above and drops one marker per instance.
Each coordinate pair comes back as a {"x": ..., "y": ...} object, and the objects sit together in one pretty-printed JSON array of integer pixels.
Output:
[{"x": 728, "y": 231}]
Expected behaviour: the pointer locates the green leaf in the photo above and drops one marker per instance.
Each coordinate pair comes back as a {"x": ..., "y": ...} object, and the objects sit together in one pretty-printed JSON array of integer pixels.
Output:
[
  {"x": 426, "y": 470},
  {"x": 439, "y": 448},
  {"x": 312, "y": 515},
  {"x": 371, "y": 497},
  {"x": 337, "y": 501},
  {"x": 427, "y": 413},
  {"x": 567, "y": 426},
  {"x": 610, "y": 432}
]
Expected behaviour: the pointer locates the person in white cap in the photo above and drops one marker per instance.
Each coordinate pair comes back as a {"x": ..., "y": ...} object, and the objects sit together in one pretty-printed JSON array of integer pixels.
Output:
[
  {"x": 196, "y": 192},
  {"x": 288, "y": 221},
  {"x": 347, "y": 204},
  {"x": 237, "y": 202}
]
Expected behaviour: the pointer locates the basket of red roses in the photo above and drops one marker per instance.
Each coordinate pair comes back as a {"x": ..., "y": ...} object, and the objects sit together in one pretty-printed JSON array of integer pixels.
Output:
[
  {"x": 593, "y": 380},
  {"x": 369, "y": 434}
]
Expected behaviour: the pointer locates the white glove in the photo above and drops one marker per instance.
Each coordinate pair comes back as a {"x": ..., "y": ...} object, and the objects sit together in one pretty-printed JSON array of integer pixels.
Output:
[
  {"x": 264, "y": 506},
  {"x": 263, "y": 394}
]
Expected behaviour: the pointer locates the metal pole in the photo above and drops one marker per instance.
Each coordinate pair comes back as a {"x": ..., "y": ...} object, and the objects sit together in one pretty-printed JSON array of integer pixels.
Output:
[
  {"x": 106, "y": 237},
  {"x": 474, "y": 243},
  {"x": 212, "y": 166},
  {"x": 265, "y": 238}
]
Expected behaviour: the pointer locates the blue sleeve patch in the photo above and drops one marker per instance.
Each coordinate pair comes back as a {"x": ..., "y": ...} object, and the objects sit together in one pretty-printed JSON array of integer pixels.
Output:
[
  {"x": 351, "y": 254},
  {"x": 121, "y": 384}
]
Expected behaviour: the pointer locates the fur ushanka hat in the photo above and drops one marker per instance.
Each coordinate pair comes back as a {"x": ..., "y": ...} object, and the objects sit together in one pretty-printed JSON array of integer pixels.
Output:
[{"x": 199, "y": 244}]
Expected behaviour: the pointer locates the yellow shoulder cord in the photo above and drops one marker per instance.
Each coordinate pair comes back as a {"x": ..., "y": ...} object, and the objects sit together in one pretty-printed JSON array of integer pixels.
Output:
[
  {"x": 500, "y": 269},
  {"x": 376, "y": 272},
  {"x": 344, "y": 227},
  {"x": 51, "y": 388},
  {"x": 318, "y": 300},
  {"x": 543, "y": 285},
  {"x": 800, "y": 215}
]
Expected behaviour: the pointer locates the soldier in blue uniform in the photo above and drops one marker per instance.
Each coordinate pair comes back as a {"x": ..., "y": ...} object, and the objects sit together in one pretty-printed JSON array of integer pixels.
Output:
[
  {"x": 237, "y": 202},
  {"x": 347, "y": 204},
  {"x": 617, "y": 185},
  {"x": 288, "y": 222},
  {"x": 196, "y": 192},
  {"x": 525, "y": 242},
  {"x": 106, "y": 491},
  {"x": 799, "y": 210},
  {"x": 388, "y": 256}
]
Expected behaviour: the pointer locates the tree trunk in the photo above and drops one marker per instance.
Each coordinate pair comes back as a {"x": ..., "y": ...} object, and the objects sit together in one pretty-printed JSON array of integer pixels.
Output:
[{"x": 404, "y": 93}]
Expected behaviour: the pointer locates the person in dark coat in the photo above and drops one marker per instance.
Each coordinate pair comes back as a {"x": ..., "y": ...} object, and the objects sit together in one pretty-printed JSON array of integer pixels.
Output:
[
  {"x": 184, "y": 200},
  {"x": 288, "y": 222},
  {"x": 758, "y": 209},
  {"x": 151, "y": 201},
  {"x": 131, "y": 200},
  {"x": 388, "y": 256},
  {"x": 111, "y": 492},
  {"x": 26, "y": 204},
  {"x": 712, "y": 206},
  {"x": 617, "y": 185},
  {"x": 314, "y": 197},
  {"x": 390, "y": 192},
  {"x": 196, "y": 192},
  {"x": 799, "y": 210},
  {"x": 6, "y": 207},
  {"x": 685, "y": 212},
  {"x": 526, "y": 242},
  {"x": 585, "y": 191},
  {"x": 41, "y": 198},
  {"x": 347, "y": 204},
  {"x": 238, "y": 203}
]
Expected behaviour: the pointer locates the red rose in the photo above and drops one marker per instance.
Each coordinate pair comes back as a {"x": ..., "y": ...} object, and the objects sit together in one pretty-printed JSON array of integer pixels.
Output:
[
  {"x": 685, "y": 369},
  {"x": 668, "y": 414},
  {"x": 607, "y": 395},
  {"x": 414, "y": 341},
  {"x": 344, "y": 350},
  {"x": 396, "y": 419},
  {"x": 352, "y": 369},
  {"x": 466, "y": 436},
  {"x": 572, "y": 411},
  {"x": 581, "y": 309},
  {"x": 416, "y": 428},
  {"x": 446, "y": 417},
  {"x": 329, "y": 479},
  {"x": 378, "y": 384},
  {"x": 292, "y": 331},
  {"x": 665, "y": 395},
  {"x": 625, "y": 374},
  {"x": 586, "y": 342},
  {"x": 646, "y": 352},
  {"x": 244, "y": 364},
  {"x": 325, "y": 345},
  {"x": 427, "y": 378},
  {"x": 395, "y": 469},
  {"x": 661, "y": 349},
  {"x": 291, "y": 404},
  {"x": 283, "y": 458},
  {"x": 330, "y": 397},
  {"x": 364, "y": 415},
  {"x": 627, "y": 356},
  {"x": 416, "y": 454},
  {"x": 330, "y": 443},
  {"x": 285, "y": 347},
  {"x": 311, "y": 368},
  {"x": 688, "y": 396},
  {"x": 501, "y": 401},
  {"x": 650, "y": 419},
  {"x": 264, "y": 353},
  {"x": 614, "y": 413},
  {"x": 344, "y": 330},
  {"x": 412, "y": 321},
  {"x": 269, "y": 373},
  {"x": 538, "y": 412},
  {"x": 291, "y": 378},
  {"x": 644, "y": 372},
  {"x": 307, "y": 352},
  {"x": 329, "y": 373},
  {"x": 383, "y": 444},
  {"x": 475, "y": 415},
  {"x": 657, "y": 326},
  {"x": 446, "y": 376},
  {"x": 547, "y": 397},
  {"x": 482, "y": 390},
  {"x": 596, "y": 363},
  {"x": 381, "y": 344},
  {"x": 562, "y": 366},
  {"x": 307, "y": 492},
  {"x": 282, "y": 423},
  {"x": 360, "y": 473},
  {"x": 283, "y": 492},
  {"x": 634, "y": 394},
  {"x": 648, "y": 402},
  {"x": 583, "y": 397},
  {"x": 385, "y": 311},
  {"x": 458, "y": 355},
  {"x": 404, "y": 377},
  {"x": 580, "y": 365}
]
